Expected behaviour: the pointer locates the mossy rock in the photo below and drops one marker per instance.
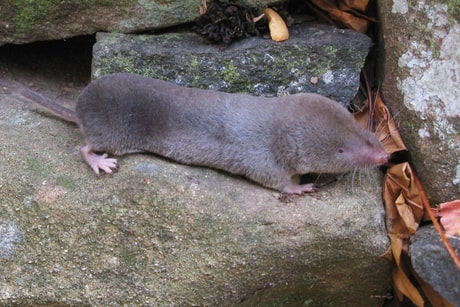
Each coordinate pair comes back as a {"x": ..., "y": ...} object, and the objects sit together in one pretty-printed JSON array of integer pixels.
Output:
[{"x": 255, "y": 65}]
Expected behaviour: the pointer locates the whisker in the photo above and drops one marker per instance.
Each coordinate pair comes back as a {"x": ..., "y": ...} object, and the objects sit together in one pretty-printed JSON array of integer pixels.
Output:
[
  {"x": 353, "y": 180},
  {"x": 382, "y": 123}
]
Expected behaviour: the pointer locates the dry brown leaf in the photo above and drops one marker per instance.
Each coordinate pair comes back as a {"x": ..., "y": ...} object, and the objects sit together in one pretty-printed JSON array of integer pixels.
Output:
[
  {"x": 397, "y": 246},
  {"x": 436, "y": 224},
  {"x": 450, "y": 217},
  {"x": 395, "y": 224},
  {"x": 278, "y": 29},
  {"x": 349, "y": 20},
  {"x": 402, "y": 283},
  {"x": 405, "y": 205},
  {"x": 362, "y": 116},
  {"x": 357, "y": 13},
  {"x": 360, "y": 5},
  {"x": 386, "y": 130},
  {"x": 404, "y": 211},
  {"x": 405, "y": 286},
  {"x": 388, "y": 255},
  {"x": 401, "y": 192}
]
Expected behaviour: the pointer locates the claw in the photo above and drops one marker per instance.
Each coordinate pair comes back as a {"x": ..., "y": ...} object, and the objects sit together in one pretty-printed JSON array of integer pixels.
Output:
[
  {"x": 300, "y": 188},
  {"x": 98, "y": 162}
]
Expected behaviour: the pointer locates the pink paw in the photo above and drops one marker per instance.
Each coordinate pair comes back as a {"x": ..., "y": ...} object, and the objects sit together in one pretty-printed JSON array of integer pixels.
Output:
[
  {"x": 101, "y": 162},
  {"x": 98, "y": 162},
  {"x": 300, "y": 188}
]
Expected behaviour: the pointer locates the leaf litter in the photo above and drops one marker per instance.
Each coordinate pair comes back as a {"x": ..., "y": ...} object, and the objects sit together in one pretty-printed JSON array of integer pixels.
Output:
[{"x": 406, "y": 206}]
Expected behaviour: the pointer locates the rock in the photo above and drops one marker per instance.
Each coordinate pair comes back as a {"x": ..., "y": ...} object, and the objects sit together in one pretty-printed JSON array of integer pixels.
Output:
[
  {"x": 256, "y": 65},
  {"x": 433, "y": 263},
  {"x": 420, "y": 86},
  {"x": 29, "y": 21},
  {"x": 9, "y": 235},
  {"x": 161, "y": 233}
]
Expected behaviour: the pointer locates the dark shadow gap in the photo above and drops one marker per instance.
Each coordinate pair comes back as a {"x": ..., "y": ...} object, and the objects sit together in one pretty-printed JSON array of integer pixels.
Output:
[{"x": 63, "y": 62}]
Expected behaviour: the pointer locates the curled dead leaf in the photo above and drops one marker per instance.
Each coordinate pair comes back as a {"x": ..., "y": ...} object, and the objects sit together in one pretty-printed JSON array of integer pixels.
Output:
[
  {"x": 405, "y": 286},
  {"x": 404, "y": 210},
  {"x": 360, "y": 5},
  {"x": 450, "y": 217},
  {"x": 385, "y": 127},
  {"x": 403, "y": 204},
  {"x": 386, "y": 130},
  {"x": 347, "y": 19},
  {"x": 278, "y": 28}
]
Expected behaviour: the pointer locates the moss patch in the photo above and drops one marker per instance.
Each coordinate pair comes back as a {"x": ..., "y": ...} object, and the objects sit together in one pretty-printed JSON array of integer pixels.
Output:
[
  {"x": 28, "y": 12},
  {"x": 31, "y": 14},
  {"x": 230, "y": 73}
]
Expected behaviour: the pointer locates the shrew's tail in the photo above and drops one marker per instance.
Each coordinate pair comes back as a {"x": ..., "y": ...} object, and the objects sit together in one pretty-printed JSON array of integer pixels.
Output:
[{"x": 51, "y": 105}]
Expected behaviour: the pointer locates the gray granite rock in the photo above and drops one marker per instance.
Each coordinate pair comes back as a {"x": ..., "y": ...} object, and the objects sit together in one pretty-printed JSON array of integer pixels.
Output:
[
  {"x": 433, "y": 263},
  {"x": 420, "y": 86},
  {"x": 30, "y": 21},
  {"x": 161, "y": 233},
  {"x": 255, "y": 65}
]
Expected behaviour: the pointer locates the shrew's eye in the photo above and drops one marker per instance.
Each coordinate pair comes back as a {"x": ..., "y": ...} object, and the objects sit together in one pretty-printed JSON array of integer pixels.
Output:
[{"x": 340, "y": 150}]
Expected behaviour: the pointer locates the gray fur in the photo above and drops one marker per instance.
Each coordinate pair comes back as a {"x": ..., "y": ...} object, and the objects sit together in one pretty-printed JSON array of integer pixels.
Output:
[{"x": 268, "y": 140}]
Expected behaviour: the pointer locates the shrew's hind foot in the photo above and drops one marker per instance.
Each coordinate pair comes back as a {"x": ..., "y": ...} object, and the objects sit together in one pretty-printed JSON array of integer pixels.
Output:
[
  {"x": 98, "y": 162},
  {"x": 300, "y": 188}
]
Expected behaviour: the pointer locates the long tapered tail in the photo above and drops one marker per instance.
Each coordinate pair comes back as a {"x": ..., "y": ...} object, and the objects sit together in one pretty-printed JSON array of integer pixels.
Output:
[{"x": 51, "y": 105}]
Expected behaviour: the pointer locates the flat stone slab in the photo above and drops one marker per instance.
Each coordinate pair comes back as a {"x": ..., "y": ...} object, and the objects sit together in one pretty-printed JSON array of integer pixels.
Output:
[
  {"x": 30, "y": 21},
  {"x": 161, "y": 233},
  {"x": 432, "y": 262},
  {"x": 317, "y": 58}
]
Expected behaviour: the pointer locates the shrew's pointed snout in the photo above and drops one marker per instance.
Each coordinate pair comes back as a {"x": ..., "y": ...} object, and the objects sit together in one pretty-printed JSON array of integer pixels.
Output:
[{"x": 382, "y": 158}]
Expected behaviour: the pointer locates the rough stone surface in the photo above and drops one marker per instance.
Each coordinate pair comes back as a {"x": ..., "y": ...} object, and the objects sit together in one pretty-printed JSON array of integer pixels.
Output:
[
  {"x": 256, "y": 65},
  {"x": 433, "y": 263},
  {"x": 421, "y": 78},
  {"x": 23, "y": 21},
  {"x": 162, "y": 233}
]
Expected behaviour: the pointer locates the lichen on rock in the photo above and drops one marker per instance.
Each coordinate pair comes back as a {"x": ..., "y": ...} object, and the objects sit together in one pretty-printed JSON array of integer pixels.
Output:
[{"x": 255, "y": 65}]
